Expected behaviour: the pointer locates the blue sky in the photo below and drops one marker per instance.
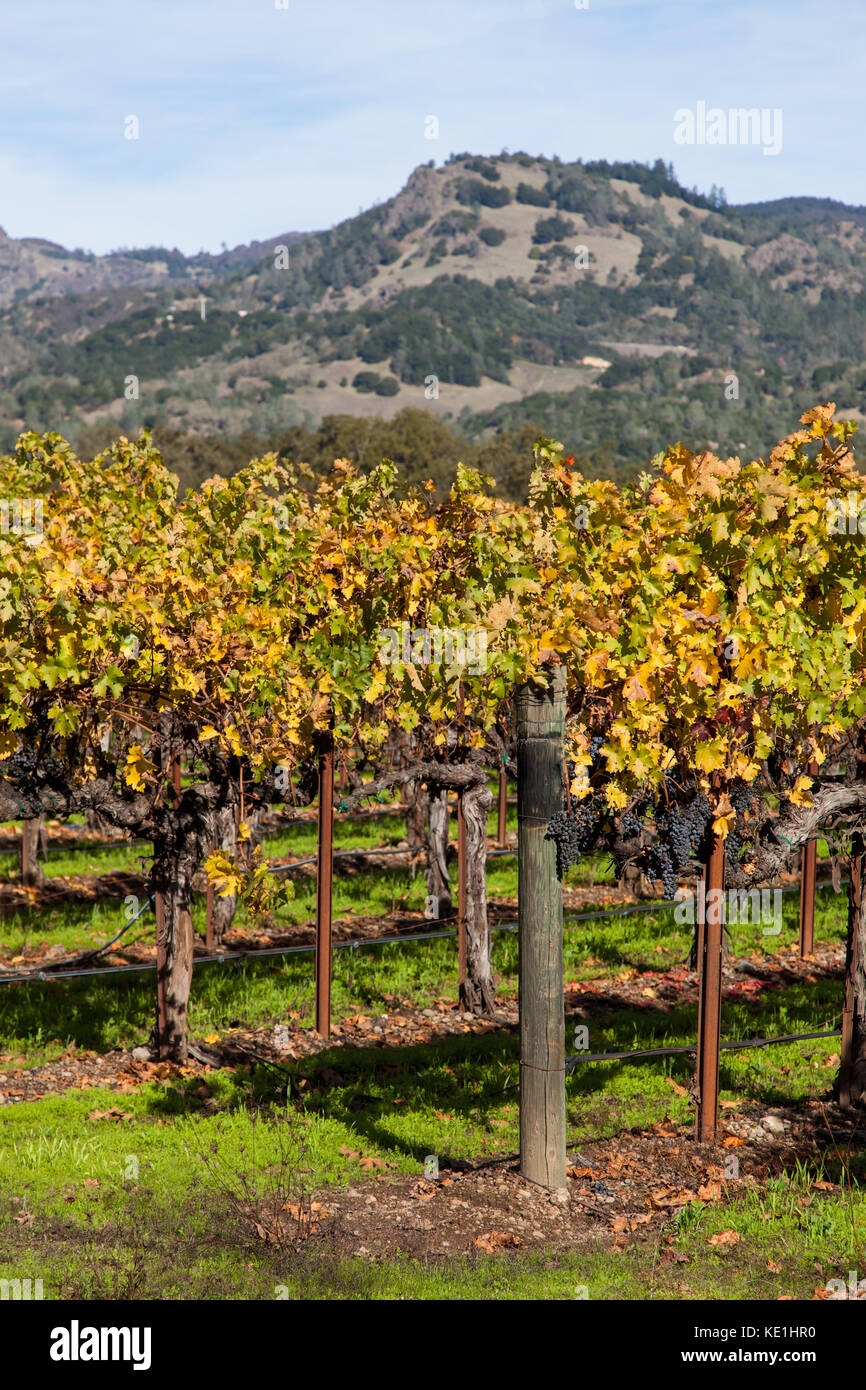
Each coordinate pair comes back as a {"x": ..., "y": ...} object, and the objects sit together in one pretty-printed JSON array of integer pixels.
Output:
[{"x": 256, "y": 120}]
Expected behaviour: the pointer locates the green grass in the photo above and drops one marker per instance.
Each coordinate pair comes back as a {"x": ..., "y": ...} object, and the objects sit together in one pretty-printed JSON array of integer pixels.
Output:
[{"x": 167, "y": 1231}]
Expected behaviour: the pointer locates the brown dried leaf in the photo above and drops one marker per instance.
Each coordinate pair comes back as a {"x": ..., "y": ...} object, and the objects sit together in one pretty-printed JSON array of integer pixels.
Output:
[
  {"x": 723, "y": 1239},
  {"x": 496, "y": 1240}
]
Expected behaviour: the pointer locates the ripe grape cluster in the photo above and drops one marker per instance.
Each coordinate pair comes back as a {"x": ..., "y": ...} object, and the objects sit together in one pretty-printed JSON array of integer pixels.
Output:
[
  {"x": 577, "y": 833},
  {"x": 680, "y": 829},
  {"x": 742, "y": 800},
  {"x": 631, "y": 824}
]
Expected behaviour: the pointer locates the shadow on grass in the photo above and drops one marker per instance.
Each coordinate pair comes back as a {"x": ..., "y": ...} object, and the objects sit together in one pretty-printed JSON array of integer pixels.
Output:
[{"x": 468, "y": 1076}]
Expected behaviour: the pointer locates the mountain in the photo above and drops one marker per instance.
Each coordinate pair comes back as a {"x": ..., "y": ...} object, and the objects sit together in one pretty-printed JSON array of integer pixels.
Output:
[{"x": 603, "y": 303}]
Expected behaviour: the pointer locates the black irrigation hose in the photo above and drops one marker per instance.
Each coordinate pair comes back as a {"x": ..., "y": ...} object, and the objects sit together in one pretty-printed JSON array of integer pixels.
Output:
[
  {"x": 22, "y": 977},
  {"x": 93, "y": 848},
  {"x": 572, "y": 1060}
]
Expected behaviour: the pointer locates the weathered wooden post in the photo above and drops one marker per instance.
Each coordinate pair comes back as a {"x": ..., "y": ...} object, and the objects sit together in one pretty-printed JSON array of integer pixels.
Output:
[
  {"x": 324, "y": 882},
  {"x": 710, "y": 997},
  {"x": 540, "y": 732}
]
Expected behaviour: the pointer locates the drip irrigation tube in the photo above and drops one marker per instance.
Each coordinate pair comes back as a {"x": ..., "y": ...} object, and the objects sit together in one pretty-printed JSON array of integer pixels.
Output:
[
  {"x": 572, "y": 1060},
  {"x": 43, "y": 973}
]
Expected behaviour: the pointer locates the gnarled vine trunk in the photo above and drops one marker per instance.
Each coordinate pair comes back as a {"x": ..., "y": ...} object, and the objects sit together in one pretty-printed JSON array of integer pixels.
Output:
[
  {"x": 32, "y": 875},
  {"x": 477, "y": 991},
  {"x": 417, "y": 811},
  {"x": 438, "y": 880},
  {"x": 182, "y": 838},
  {"x": 174, "y": 952}
]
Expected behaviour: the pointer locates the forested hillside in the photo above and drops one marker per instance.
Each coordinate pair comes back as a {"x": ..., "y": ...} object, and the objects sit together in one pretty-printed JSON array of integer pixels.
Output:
[{"x": 475, "y": 296}]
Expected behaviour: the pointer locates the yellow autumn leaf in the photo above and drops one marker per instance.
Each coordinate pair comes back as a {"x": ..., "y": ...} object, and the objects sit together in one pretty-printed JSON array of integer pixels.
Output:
[
  {"x": 137, "y": 768},
  {"x": 375, "y": 688},
  {"x": 800, "y": 794},
  {"x": 616, "y": 797},
  {"x": 710, "y": 756}
]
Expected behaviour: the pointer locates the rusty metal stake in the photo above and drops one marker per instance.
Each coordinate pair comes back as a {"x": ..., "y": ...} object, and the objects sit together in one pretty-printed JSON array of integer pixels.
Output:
[
  {"x": 324, "y": 884},
  {"x": 209, "y": 901},
  {"x": 161, "y": 941},
  {"x": 503, "y": 806},
  {"x": 710, "y": 1001},
  {"x": 161, "y": 969},
  {"x": 461, "y": 889},
  {"x": 808, "y": 859}
]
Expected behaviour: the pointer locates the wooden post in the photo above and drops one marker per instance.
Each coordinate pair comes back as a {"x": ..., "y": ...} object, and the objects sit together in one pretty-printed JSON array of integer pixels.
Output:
[
  {"x": 461, "y": 891},
  {"x": 540, "y": 730},
  {"x": 324, "y": 882},
  {"x": 710, "y": 998},
  {"x": 503, "y": 807}
]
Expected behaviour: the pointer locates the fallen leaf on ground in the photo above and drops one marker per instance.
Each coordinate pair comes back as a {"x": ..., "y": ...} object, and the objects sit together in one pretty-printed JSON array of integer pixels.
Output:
[
  {"x": 724, "y": 1238},
  {"x": 676, "y": 1257},
  {"x": 680, "y": 1090},
  {"x": 671, "y": 1197},
  {"x": 625, "y": 1223},
  {"x": 496, "y": 1240}
]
